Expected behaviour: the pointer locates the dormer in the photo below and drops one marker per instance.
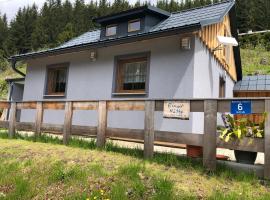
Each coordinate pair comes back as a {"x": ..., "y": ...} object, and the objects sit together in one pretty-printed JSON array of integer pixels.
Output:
[{"x": 133, "y": 21}]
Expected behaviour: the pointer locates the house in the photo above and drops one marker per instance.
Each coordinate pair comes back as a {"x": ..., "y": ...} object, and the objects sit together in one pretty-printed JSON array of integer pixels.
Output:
[{"x": 143, "y": 53}]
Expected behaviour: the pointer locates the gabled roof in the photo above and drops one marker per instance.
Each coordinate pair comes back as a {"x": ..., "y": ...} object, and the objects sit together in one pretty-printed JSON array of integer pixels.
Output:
[
  {"x": 253, "y": 83},
  {"x": 134, "y": 11},
  {"x": 184, "y": 21}
]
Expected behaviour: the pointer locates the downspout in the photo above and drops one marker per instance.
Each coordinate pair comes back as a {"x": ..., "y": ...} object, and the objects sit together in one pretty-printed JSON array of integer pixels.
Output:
[
  {"x": 11, "y": 85},
  {"x": 13, "y": 65}
]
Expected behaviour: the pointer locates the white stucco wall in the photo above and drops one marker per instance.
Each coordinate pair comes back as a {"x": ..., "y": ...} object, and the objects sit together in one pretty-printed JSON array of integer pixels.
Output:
[
  {"x": 174, "y": 73},
  {"x": 207, "y": 72},
  {"x": 171, "y": 76}
]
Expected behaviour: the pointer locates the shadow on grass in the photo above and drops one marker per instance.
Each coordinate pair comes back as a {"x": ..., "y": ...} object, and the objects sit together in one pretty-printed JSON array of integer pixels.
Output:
[{"x": 167, "y": 159}]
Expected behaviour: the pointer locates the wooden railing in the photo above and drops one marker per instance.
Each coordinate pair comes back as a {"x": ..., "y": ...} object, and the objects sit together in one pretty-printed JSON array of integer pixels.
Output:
[{"x": 209, "y": 140}]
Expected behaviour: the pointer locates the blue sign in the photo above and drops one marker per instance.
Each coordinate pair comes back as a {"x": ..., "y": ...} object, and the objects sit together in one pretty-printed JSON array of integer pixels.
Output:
[{"x": 241, "y": 107}]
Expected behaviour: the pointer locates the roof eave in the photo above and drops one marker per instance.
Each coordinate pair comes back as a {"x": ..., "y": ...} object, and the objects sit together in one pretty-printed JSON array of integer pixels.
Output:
[{"x": 112, "y": 42}]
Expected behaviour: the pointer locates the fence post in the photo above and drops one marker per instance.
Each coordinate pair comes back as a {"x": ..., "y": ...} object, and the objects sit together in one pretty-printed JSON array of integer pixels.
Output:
[
  {"x": 267, "y": 141},
  {"x": 12, "y": 120},
  {"x": 149, "y": 129},
  {"x": 39, "y": 118},
  {"x": 209, "y": 137},
  {"x": 67, "y": 122},
  {"x": 102, "y": 124}
]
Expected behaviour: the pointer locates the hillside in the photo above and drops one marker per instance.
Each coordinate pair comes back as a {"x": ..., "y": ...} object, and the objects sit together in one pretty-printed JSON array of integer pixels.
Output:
[
  {"x": 31, "y": 170},
  {"x": 251, "y": 61}
]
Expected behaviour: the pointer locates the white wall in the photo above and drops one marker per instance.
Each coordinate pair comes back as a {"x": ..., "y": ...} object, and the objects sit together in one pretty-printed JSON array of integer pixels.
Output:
[
  {"x": 171, "y": 76},
  {"x": 207, "y": 72}
]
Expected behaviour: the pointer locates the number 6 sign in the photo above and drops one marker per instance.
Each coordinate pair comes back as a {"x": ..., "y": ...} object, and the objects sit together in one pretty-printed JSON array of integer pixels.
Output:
[{"x": 241, "y": 107}]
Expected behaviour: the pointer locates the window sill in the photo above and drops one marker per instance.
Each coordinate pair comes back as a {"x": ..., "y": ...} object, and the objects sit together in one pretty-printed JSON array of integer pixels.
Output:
[
  {"x": 129, "y": 94},
  {"x": 54, "y": 96}
]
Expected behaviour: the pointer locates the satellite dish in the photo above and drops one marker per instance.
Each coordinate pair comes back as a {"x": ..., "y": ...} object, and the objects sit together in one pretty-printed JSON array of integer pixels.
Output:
[{"x": 227, "y": 41}]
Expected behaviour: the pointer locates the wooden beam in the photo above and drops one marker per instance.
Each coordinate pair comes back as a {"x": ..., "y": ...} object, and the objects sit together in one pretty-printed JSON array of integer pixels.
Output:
[
  {"x": 179, "y": 138},
  {"x": 12, "y": 120},
  {"x": 102, "y": 124},
  {"x": 67, "y": 122},
  {"x": 4, "y": 105},
  {"x": 126, "y": 105},
  {"x": 26, "y": 105},
  {"x": 149, "y": 129},
  {"x": 25, "y": 126},
  {"x": 39, "y": 118},
  {"x": 4, "y": 124},
  {"x": 267, "y": 142},
  {"x": 85, "y": 105},
  {"x": 245, "y": 144},
  {"x": 209, "y": 137},
  {"x": 53, "y": 105}
]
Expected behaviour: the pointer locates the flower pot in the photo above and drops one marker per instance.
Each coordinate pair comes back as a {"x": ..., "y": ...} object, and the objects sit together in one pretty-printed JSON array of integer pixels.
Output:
[
  {"x": 194, "y": 151},
  {"x": 245, "y": 157}
]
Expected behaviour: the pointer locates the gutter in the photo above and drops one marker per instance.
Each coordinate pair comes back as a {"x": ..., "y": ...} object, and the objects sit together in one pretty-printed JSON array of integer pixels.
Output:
[{"x": 13, "y": 66}]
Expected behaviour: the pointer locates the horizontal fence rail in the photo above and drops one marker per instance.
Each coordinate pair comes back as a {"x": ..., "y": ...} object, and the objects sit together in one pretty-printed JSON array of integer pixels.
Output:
[{"x": 209, "y": 140}]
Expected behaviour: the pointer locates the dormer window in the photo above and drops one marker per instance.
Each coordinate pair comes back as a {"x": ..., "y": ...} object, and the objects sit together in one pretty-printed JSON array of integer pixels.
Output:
[
  {"x": 111, "y": 30},
  {"x": 134, "y": 25}
]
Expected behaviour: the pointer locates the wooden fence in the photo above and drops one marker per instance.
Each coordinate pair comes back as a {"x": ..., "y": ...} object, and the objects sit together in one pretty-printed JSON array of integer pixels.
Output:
[{"x": 209, "y": 140}]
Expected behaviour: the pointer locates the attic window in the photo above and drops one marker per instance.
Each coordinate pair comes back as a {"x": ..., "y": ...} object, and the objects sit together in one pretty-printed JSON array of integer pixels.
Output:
[
  {"x": 134, "y": 25},
  {"x": 111, "y": 30}
]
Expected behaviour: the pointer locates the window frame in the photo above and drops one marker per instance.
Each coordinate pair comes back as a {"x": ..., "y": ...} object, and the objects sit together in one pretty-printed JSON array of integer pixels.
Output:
[
  {"x": 132, "y": 21},
  {"x": 125, "y": 58},
  {"x": 55, "y": 66},
  {"x": 109, "y": 26}
]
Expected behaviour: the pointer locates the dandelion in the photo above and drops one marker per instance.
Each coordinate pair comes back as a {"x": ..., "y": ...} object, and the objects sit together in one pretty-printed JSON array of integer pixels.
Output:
[
  {"x": 87, "y": 199},
  {"x": 95, "y": 197}
]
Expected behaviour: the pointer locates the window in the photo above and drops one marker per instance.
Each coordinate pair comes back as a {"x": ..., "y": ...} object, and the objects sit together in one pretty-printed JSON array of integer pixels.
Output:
[
  {"x": 185, "y": 43},
  {"x": 134, "y": 25},
  {"x": 222, "y": 87},
  {"x": 131, "y": 75},
  {"x": 56, "y": 80},
  {"x": 111, "y": 30}
]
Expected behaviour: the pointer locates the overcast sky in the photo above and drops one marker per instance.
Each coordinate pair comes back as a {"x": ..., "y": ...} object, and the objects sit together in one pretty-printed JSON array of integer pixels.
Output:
[{"x": 10, "y": 7}]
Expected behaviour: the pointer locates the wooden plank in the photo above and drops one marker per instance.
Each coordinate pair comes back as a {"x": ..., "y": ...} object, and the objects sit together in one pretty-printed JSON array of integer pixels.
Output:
[
  {"x": 25, "y": 126},
  {"x": 83, "y": 130},
  {"x": 26, "y": 105},
  {"x": 149, "y": 133},
  {"x": 126, "y": 105},
  {"x": 12, "y": 120},
  {"x": 224, "y": 106},
  {"x": 54, "y": 105},
  {"x": 4, "y": 105},
  {"x": 52, "y": 128},
  {"x": 245, "y": 144},
  {"x": 102, "y": 124},
  {"x": 137, "y": 134},
  {"x": 4, "y": 124},
  {"x": 209, "y": 137},
  {"x": 67, "y": 122},
  {"x": 85, "y": 105},
  {"x": 180, "y": 138},
  {"x": 267, "y": 142},
  {"x": 39, "y": 118}
]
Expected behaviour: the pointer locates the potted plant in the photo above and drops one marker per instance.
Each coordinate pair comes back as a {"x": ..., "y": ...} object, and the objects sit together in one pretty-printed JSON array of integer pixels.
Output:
[{"x": 237, "y": 130}]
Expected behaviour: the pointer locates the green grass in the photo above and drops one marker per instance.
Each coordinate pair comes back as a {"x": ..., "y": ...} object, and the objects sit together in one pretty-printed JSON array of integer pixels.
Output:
[
  {"x": 44, "y": 169},
  {"x": 251, "y": 61}
]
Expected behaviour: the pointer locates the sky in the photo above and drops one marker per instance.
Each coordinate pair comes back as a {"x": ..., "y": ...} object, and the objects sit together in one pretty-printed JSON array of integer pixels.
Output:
[{"x": 10, "y": 7}]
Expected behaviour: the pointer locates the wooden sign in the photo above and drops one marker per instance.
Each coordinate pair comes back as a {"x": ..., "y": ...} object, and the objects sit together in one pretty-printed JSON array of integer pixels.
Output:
[{"x": 176, "y": 109}]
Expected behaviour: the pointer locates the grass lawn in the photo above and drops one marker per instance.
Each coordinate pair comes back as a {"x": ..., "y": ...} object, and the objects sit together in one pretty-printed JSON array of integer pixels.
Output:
[
  {"x": 251, "y": 61},
  {"x": 47, "y": 170}
]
